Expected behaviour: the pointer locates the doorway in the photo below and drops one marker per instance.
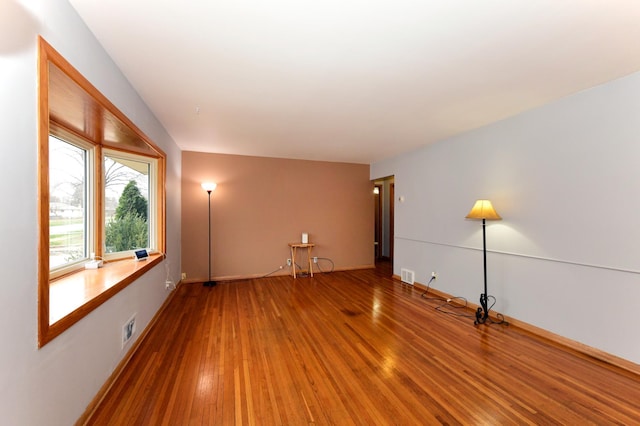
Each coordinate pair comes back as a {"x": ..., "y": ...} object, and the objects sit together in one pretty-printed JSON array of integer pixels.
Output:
[{"x": 384, "y": 192}]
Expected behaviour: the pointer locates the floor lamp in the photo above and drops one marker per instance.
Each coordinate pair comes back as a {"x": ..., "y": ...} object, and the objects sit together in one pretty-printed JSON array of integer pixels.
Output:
[
  {"x": 483, "y": 209},
  {"x": 209, "y": 187}
]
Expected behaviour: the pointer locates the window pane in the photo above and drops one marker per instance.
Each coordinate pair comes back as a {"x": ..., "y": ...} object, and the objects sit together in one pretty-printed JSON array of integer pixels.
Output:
[
  {"x": 67, "y": 203},
  {"x": 126, "y": 204}
]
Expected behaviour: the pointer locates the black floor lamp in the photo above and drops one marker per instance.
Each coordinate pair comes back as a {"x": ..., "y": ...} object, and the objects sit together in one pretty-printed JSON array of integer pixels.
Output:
[
  {"x": 483, "y": 209},
  {"x": 209, "y": 187}
]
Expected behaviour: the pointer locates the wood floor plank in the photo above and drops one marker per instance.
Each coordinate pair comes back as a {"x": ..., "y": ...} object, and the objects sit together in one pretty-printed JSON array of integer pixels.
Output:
[{"x": 352, "y": 348}]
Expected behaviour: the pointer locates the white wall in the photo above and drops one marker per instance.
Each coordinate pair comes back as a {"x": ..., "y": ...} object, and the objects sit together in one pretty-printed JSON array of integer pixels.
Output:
[
  {"x": 566, "y": 180},
  {"x": 53, "y": 385}
]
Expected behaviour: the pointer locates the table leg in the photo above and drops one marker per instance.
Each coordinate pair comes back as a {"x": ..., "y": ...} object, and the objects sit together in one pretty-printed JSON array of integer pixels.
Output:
[
  {"x": 309, "y": 259},
  {"x": 293, "y": 261}
]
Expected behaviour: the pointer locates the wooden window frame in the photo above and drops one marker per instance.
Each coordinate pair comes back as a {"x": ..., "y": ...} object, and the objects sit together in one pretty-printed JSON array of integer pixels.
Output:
[{"x": 67, "y": 100}]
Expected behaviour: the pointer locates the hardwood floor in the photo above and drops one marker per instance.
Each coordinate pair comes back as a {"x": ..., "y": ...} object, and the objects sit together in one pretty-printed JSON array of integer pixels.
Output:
[{"x": 352, "y": 348}]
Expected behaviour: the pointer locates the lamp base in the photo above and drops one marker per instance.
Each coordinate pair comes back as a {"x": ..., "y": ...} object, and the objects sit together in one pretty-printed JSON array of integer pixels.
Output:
[
  {"x": 482, "y": 314},
  {"x": 209, "y": 283}
]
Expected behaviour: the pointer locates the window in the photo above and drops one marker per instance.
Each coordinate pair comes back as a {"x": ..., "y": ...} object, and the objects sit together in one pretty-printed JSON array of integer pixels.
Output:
[
  {"x": 101, "y": 191},
  {"x": 68, "y": 206},
  {"x": 128, "y": 203}
]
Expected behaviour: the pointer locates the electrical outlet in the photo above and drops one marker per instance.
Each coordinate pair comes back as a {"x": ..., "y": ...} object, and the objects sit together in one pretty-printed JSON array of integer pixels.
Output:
[
  {"x": 184, "y": 275},
  {"x": 434, "y": 275},
  {"x": 128, "y": 330},
  {"x": 315, "y": 259},
  {"x": 168, "y": 285},
  {"x": 288, "y": 262}
]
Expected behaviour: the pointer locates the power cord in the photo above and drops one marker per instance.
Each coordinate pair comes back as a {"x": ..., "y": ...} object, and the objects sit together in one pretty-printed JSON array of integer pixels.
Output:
[
  {"x": 427, "y": 289},
  {"x": 447, "y": 302},
  {"x": 280, "y": 268},
  {"x": 328, "y": 260},
  {"x": 304, "y": 274},
  {"x": 168, "y": 282}
]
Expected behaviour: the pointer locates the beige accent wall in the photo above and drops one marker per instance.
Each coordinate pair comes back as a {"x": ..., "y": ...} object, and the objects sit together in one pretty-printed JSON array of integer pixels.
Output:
[{"x": 262, "y": 204}]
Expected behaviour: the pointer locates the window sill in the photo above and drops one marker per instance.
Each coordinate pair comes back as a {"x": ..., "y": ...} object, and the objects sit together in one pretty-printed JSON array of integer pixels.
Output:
[{"x": 75, "y": 295}]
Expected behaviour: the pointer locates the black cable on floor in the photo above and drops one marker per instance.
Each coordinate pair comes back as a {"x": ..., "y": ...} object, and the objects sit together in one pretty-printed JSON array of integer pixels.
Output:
[
  {"x": 447, "y": 302},
  {"x": 439, "y": 308}
]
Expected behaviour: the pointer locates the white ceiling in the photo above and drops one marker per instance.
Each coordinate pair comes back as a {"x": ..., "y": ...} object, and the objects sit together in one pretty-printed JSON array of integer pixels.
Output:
[{"x": 355, "y": 80}]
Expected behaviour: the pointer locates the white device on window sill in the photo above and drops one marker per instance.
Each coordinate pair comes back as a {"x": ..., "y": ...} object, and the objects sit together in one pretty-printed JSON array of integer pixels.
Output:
[
  {"x": 141, "y": 254},
  {"x": 93, "y": 264}
]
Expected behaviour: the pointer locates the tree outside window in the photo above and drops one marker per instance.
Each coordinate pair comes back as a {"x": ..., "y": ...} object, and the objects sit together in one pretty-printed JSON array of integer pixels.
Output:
[
  {"x": 129, "y": 228},
  {"x": 126, "y": 206}
]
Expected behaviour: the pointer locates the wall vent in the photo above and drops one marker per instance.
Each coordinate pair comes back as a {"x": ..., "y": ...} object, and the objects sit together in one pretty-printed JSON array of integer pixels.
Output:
[{"x": 407, "y": 276}]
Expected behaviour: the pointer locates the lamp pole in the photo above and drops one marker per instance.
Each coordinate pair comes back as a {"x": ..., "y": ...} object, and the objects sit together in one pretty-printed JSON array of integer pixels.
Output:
[
  {"x": 209, "y": 187},
  {"x": 481, "y": 317}
]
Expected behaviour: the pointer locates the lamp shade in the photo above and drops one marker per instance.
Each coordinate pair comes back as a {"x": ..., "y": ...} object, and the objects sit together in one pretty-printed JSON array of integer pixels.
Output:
[
  {"x": 483, "y": 209},
  {"x": 209, "y": 186}
]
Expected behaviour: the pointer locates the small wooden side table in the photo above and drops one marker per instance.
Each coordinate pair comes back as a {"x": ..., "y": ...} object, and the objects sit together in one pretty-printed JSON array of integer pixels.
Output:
[{"x": 294, "y": 247}]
